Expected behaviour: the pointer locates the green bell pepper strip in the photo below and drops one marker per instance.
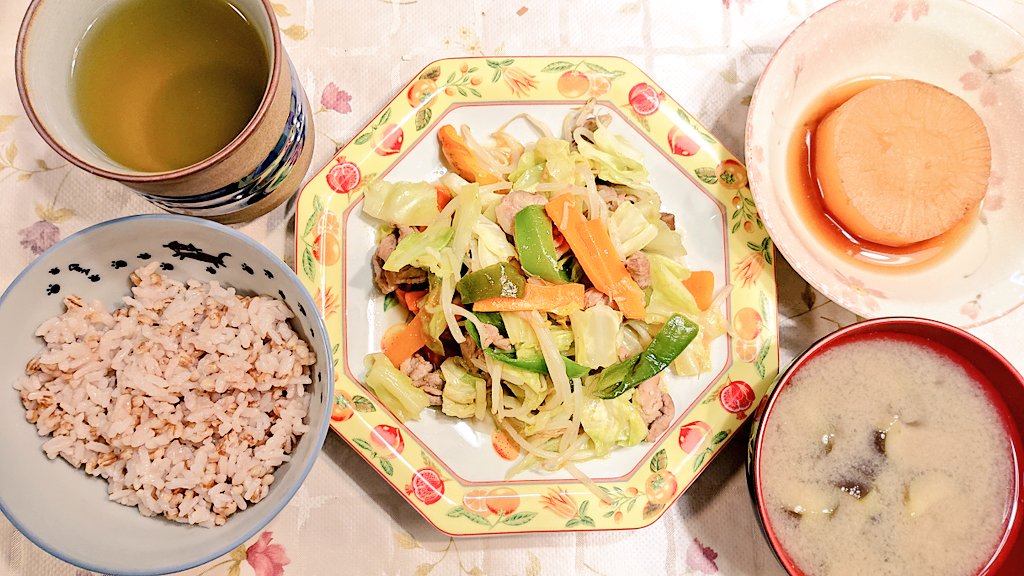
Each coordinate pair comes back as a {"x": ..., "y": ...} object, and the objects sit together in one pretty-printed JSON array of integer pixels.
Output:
[
  {"x": 537, "y": 363},
  {"x": 674, "y": 337},
  {"x": 529, "y": 363},
  {"x": 492, "y": 318},
  {"x": 536, "y": 245},
  {"x": 501, "y": 279}
]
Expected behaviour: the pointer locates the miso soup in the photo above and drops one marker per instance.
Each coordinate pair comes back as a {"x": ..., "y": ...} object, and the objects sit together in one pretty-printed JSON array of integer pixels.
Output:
[
  {"x": 884, "y": 456},
  {"x": 163, "y": 84}
]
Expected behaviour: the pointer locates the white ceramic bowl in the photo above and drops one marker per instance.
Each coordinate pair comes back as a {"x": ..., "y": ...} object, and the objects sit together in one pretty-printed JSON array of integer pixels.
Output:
[
  {"x": 63, "y": 510},
  {"x": 949, "y": 43}
]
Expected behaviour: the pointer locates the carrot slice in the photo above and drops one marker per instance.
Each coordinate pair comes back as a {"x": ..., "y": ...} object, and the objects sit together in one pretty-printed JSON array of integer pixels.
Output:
[
  {"x": 462, "y": 161},
  {"x": 412, "y": 300},
  {"x": 406, "y": 343},
  {"x": 444, "y": 196},
  {"x": 559, "y": 299},
  {"x": 593, "y": 248},
  {"x": 701, "y": 285}
]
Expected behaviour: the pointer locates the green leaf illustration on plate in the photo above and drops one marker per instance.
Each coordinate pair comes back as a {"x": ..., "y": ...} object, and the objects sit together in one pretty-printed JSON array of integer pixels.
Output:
[
  {"x": 363, "y": 404},
  {"x": 459, "y": 511},
  {"x": 311, "y": 222},
  {"x": 581, "y": 517},
  {"x": 717, "y": 439},
  {"x": 558, "y": 66},
  {"x": 602, "y": 70},
  {"x": 432, "y": 73},
  {"x": 517, "y": 518},
  {"x": 764, "y": 248},
  {"x": 499, "y": 67},
  {"x": 385, "y": 464},
  {"x": 745, "y": 213},
  {"x": 693, "y": 123},
  {"x": 622, "y": 500},
  {"x": 761, "y": 355},
  {"x": 565, "y": 66},
  {"x": 423, "y": 118},
  {"x": 699, "y": 461},
  {"x": 706, "y": 174},
  {"x": 366, "y": 136},
  {"x": 464, "y": 81},
  {"x": 308, "y": 267},
  {"x": 514, "y": 519},
  {"x": 651, "y": 510},
  {"x": 659, "y": 461}
]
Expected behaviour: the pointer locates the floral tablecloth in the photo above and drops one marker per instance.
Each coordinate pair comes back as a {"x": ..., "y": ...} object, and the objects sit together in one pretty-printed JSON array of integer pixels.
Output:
[{"x": 352, "y": 57}]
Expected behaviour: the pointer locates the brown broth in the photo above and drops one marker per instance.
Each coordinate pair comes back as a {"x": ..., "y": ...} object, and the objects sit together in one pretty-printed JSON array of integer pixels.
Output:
[
  {"x": 163, "y": 84},
  {"x": 810, "y": 206}
]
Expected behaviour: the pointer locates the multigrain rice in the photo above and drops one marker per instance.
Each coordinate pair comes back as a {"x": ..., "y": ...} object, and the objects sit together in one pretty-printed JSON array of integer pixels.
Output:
[{"x": 185, "y": 399}]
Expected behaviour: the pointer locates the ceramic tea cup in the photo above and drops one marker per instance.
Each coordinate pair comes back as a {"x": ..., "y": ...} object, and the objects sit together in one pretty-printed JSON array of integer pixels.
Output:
[{"x": 262, "y": 166}]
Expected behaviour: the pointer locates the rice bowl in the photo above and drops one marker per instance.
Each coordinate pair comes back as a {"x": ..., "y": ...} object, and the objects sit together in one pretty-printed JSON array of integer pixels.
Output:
[
  {"x": 61, "y": 509},
  {"x": 185, "y": 400}
]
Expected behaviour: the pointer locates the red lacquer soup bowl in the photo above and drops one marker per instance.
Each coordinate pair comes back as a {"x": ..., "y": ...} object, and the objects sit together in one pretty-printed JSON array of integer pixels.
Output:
[{"x": 1003, "y": 387}]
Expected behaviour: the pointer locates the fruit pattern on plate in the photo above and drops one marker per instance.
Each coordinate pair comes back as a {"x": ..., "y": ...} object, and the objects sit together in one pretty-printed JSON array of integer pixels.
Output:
[{"x": 640, "y": 497}]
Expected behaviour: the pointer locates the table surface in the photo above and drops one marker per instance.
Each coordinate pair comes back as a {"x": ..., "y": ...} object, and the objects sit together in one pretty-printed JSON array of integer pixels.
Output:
[{"x": 352, "y": 57}]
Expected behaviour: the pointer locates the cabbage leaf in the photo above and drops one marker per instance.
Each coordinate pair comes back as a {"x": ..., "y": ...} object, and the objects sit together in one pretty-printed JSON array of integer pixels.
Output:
[
  {"x": 595, "y": 332},
  {"x": 491, "y": 245},
  {"x": 423, "y": 250},
  {"x": 668, "y": 295},
  {"x": 403, "y": 203},
  {"x": 458, "y": 397},
  {"x": 610, "y": 423},
  {"x": 613, "y": 159},
  {"x": 667, "y": 242},
  {"x": 630, "y": 230},
  {"x": 394, "y": 388},
  {"x": 548, "y": 160}
]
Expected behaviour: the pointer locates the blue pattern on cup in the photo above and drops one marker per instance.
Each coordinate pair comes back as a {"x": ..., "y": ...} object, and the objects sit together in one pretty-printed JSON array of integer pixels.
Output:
[{"x": 259, "y": 183}]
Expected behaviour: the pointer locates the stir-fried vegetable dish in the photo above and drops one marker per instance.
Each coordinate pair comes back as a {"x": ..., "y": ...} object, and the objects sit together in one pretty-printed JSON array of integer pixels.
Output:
[{"x": 546, "y": 291}]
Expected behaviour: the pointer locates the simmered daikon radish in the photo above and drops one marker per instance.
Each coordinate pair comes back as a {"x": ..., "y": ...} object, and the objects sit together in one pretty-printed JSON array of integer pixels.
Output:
[{"x": 902, "y": 161}]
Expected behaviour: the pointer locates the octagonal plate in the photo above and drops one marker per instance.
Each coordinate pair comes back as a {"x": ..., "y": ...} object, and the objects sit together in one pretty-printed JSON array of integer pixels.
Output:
[{"x": 448, "y": 469}]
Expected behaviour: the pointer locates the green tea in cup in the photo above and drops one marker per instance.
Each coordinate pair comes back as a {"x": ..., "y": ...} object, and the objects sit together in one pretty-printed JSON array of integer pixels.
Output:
[
  {"x": 163, "y": 84},
  {"x": 192, "y": 103}
]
